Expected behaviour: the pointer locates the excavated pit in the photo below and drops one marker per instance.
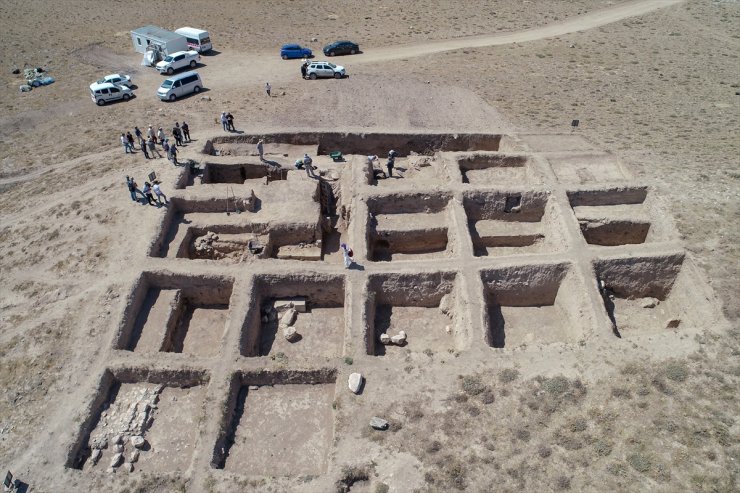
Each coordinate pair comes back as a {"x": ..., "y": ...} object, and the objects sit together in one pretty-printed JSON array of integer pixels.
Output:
[
  {"x": 495, "y": 169},
  {"x": 588, "y": 167},
  {"x": 532, "y": 304},
  {"x": 235, "y": 173},
  {"x": 319, "y": 321},
  {"x": 512, "y": 222},
  {"x": 164, "y": 407},
  {"x": 277, "y": 424},
  {"x": 176, "y": 313},
  {"x": 644, "y": 294},
  {"x": 425, "y": 306},
  {"x": 409, "y": 227},
  {"x": 617, "y": 216}
]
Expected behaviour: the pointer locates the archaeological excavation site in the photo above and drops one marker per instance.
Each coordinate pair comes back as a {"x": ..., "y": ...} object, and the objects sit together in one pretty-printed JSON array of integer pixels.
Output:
[{"x": 233, "y": 351}]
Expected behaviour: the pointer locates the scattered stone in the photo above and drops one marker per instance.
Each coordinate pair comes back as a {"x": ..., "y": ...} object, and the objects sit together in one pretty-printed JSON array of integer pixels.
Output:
[
  {"x": 134, "y": 456},
  {"x": 288, "y": 317},
  {"x": 205, "y": 98},
  {"x": 138, "y": 441},
  {"x": 673, "y": 323},
  {"x": 117, "y": 460},
  {"x": 379, "y": 423},
  {"x": 446, "y": 304},
  {"x": 96, "y": 454},
  {"x": 649, "y": 302},
  {"x": 291, "y": 335},
  {"x": 355, "y": 382},
  {"x": 118, "y": 439},
  {"x": 314, "y": 40},
  {"x": 399, "y": 339},
  {"x": 119, "y": 448},
  {"x": 448, "y": 329},
  {"x": 129, "y": 467},
  {"x": 99, "y": 442},
  {"x": 254, "y": 387},
  {"x": 296, "y": 302},
  {"x": 385, "y": 339}
]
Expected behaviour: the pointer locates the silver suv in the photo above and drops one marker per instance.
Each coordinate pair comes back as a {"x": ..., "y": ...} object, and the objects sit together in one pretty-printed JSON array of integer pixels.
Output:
[{"x": 324, "y": 69}]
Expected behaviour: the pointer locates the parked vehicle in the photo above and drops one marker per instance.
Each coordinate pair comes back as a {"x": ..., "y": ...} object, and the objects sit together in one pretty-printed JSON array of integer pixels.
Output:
[
  {"x": 324, "y": 69},
  {"x": 118, "y": 79},
  {"x": 198, "y": 39},
  {"x": 176, "y": 61},
  {"x": 294, "y": 51},
  {"x": 105, "y": 92},
  {"x": 341, "y": 48},
  {"x": 179, "y": 86}
]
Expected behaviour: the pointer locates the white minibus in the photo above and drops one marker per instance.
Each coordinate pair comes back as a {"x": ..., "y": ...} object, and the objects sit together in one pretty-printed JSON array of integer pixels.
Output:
[{"x": 198, "y": 39}]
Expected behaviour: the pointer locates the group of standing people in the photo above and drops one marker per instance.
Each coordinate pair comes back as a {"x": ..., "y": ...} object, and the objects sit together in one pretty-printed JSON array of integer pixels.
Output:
[
  {"x": 148, "y": 142},
  {"x": 227, "y": 120},
  {"x": 147, "y": 194}
]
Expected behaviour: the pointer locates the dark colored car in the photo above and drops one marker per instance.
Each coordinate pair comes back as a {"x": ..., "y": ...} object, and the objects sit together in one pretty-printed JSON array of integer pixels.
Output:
[
  {"x": 294, "y": 51},
  {"x": 341, "y": 48}
]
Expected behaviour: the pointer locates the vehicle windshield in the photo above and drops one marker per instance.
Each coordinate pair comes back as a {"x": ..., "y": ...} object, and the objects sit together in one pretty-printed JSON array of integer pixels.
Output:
[
  {"x": 168, "y": 59},
  {"x": 167, "y": 83},
  {"x": 100, "y": 81},
  {"x": 331, "y": 65}
]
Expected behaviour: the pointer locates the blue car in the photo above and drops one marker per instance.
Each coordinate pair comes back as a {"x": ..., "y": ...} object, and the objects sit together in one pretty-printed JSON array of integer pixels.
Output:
[{"x": 294, "y": 51}]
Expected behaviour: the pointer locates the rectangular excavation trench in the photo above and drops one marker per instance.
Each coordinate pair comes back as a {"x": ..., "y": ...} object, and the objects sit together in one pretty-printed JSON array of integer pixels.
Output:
[
  {"x": 277, "y": 424},
  {"x": 310, "y": 303},
  {"x": 409, "y": 227},
  {"x": 493, "y": 168},
  {"x": 512, "y": 222},
  {"x": 648, "y": 294},
  {"x": 588, "y": 167},
  {"x": 201, "y": 230},
  {"x": 533, "y": 304},
  {"x": 618, "y": 216},
  {"x": 235, "y": 173},
  {"x": 164, "y": 407},
  {"x": 176, "y": 313},
  {"x": 426, "y": 306}
]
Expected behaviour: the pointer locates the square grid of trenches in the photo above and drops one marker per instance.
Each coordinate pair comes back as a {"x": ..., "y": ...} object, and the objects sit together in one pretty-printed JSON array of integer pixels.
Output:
[{"x": 233, "y": 344}]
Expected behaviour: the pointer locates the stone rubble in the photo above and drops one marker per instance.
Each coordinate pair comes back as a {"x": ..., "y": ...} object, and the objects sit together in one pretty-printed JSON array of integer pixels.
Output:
[
  {"x": 379, "y": 423},
  {"x": 290, "y": 334},
  {"x": 355, "y": 382},
  {"x": 399, "y": 339}
]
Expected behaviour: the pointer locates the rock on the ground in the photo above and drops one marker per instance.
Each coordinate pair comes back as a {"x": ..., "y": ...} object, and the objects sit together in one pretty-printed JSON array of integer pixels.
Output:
[
  {"x": 290, "y": 334},
  {"x": 673, "y": 323},
  {"x": 649, "y": 302},
  {"x": 399, "y": 338},
  {"x": 379, "y": 423},
  {"x": 96, "y": 454},
  {"x": 100, "y": 442},
  {"x": 355, "y": 382},
  {"x": 117, "y": 439},
  {"x": 448, "y": 329},
  {"x": 116, "y": 460},
  {"x": 118, "y": 448},
  {"x": 129, "y": 467},
  {"x": 138, "y": 441},
  {"x": 134, "y": 456},
  {"x": 446, "y": 304},
  {"x": 385, "y": 339},
  {"x": 288, "y": 317}
]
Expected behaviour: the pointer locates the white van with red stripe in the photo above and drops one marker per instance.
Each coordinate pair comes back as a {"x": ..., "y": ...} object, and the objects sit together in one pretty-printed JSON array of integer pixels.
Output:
[{"x": 198, "y": 39}]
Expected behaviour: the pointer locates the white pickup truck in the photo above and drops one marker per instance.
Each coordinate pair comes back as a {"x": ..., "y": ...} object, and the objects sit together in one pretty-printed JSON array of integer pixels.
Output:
[{"x": 178, "y": 60}]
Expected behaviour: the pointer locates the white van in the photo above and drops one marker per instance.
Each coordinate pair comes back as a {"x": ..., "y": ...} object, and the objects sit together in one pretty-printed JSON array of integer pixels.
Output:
[
  {"x": 180, "y": 85},
  {"x": 101, "y": 93},
  {"x": 198, "y": 39}
]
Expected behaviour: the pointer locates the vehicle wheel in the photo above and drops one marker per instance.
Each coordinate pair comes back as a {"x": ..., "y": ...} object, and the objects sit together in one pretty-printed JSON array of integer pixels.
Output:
[
  {"x": 101, "y": 102},
  {"x": 172, "y": 97},
  {"x": 337, "y": 75},
  {"x": 126, "y": 97},
  {"x": 170, "y": 71},
  {"x": 352, "y": 51},
  {"x": 196, "y": 89},
  {"x": 284, "y": 57},
  {"x": 192, "y": 63},
  {"x": 331, "y": 53},
  {"x": 312, "y": 76}
]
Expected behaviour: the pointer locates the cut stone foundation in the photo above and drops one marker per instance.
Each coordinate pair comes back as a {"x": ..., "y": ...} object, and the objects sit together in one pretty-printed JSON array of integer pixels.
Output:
[
  {"x": 532, "y": 304},
  {"x": 493, "y": 169},
  {"x": 409, "y": 227},
  {"x": 175, "y": 313},
  {"x": 424, "y": 306},
  {"x": 645, "y": 294},
  {"x": 165, "y": 408},
  {"x": 277, "y": 424},
  {"x": 512, "y": 222},
  {"x": 584, "y": 168},
  {"x": 320, "y": 327},
  {"x": 618, "y": 216}
]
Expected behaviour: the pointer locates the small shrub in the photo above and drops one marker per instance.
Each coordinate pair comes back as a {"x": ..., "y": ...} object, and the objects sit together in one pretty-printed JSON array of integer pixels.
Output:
[
  {"x": 544, "y": 451},
  {"x": 350, "y": 476},
  {"x": 487, "y": 397},
  {"x": 616, "y": 469},
  {"x": 348, "y": 361},
  {"x": 472, "y": 385},
  {"x": 602, "y": 448},
  {"x": 562, "y": 483},
  {"x": 508, "y": 375},
  {"x": 381, "y": 488},
  {"x": 621, "y": 393},
  {"x": 639, "y": 462},
  {"x": 676, "y": 371},
  {"x": 434, "y": 447},
  {"x": 578, "y": 424},
  {"x": 523, "y": 435},
  {"x": 556, "y": 386}
]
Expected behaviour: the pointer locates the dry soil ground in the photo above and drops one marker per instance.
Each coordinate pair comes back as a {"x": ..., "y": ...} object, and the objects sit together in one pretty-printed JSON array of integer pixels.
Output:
[{"x": 658, "y": 89}]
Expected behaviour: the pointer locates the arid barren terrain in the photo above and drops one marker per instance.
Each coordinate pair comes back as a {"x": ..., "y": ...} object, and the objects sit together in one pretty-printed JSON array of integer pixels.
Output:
[{"x": 488, "y": 250}]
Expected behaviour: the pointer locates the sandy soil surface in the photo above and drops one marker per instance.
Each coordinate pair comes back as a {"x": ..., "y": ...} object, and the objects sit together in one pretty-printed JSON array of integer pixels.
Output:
[{"x": 654, "y": 83}]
